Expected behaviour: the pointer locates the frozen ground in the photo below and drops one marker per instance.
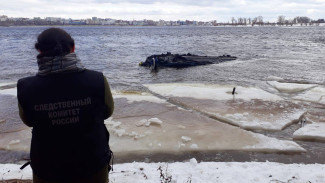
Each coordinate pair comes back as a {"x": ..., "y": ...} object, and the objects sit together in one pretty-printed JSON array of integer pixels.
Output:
[
  {"x": 204, "y": 172},
  {"x": 250, "y": 108}
]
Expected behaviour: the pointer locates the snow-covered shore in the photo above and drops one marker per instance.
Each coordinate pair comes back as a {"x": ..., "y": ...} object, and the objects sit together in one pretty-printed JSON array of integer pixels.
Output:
[{"x": 192, "y": 171}]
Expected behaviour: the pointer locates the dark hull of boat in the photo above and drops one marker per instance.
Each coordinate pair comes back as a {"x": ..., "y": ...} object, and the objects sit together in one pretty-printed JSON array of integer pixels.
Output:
[{"x": 181, "y": 61}]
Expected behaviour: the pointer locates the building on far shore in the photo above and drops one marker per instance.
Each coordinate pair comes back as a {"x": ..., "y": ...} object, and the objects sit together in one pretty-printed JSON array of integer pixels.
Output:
[{"x": 3, "y": 18}]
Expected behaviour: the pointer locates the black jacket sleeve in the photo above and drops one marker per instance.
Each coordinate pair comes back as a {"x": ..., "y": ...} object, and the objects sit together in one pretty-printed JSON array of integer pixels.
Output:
[{"x": 109, "y": 102}]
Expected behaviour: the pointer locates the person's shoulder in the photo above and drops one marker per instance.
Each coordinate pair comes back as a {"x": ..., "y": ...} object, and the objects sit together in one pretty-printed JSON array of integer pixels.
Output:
[
  {"x": 93, "y": 72},
  {"x": 25, "y": 83},
  {"x": 25, "y": 79}
]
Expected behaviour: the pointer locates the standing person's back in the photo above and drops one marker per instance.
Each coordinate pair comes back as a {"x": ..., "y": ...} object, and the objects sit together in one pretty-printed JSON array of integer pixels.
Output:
[{"x": 66, "y": 105}]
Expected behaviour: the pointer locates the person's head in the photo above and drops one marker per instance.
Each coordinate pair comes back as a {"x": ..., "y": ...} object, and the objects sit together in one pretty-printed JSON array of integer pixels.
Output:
[{"x": 54, "y": 42}]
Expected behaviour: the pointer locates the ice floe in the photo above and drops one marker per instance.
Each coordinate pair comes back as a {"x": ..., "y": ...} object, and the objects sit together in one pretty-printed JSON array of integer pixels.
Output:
[
  {"x": 314, "y": 132},
  {"x": 316, "y": 95},
  {"x": 9, "y": 115},
  {"x": 249, "y": 108},
  {"x": 186, "y": 139},
  {"x": 147, "y": 123},
  {"x": 211, "y": 92},
  {"x": 178, "y": 131},
  {"x": 10, "y": 91},
  {"x": 133, "y": 96},
  {"x": 290, "y": 87},
  {"x": 16, "y": 141},
  {"x": 14, "y": 134},
  {"x": 164, "y": 128},
  {"x": 198, "y": 172},
  {"x": 7, "y": 85}
]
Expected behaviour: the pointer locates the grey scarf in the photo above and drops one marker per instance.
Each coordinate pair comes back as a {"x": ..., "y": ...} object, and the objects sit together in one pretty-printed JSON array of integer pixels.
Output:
[{"x": 59, "y": 64}]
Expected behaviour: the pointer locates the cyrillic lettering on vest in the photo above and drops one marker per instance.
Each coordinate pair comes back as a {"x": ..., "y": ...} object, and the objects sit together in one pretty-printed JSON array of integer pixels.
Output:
[{"x": 64, "y": 112}]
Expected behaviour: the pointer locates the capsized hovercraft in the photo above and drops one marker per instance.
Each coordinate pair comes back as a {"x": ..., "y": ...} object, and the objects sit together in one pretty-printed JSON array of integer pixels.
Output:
[{"x": 182, "y": 61}]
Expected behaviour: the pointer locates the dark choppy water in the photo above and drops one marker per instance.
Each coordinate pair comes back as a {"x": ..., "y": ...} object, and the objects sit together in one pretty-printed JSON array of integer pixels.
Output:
[{"x": 295, "y": 53}]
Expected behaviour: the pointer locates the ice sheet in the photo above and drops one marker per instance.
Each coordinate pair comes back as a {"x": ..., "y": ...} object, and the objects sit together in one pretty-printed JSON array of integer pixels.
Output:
[
  {"x": 290, "y": 87},
  {"x": 14, "y": 134},
  {"x": 10, "y": 91},
  {"x": 6, "y": 84},
  {"x": 16, "y": 141},
  {"x": 260, "y": 110},
  {"x": 203, "y": 172},
  {"x": 134, "y": 97},
  {"x": 313, "y": 132},
  {"x": 9, "y": 115},
  {"x": 180, "y": 130},
  {"x": 316, "y": 95},
  {"x": 213, "y": 92},
  {"x": 166, "y": 128}
]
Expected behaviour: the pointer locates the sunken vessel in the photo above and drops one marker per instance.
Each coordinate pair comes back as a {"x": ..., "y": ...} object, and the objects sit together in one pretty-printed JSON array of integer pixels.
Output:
[{"x": 183, "y": 60}]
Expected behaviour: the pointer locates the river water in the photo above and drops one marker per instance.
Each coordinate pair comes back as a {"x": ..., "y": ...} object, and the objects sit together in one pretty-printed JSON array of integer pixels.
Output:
[
  {"x": 292, "y": 53},
  {"x": 295, "y": 54}
]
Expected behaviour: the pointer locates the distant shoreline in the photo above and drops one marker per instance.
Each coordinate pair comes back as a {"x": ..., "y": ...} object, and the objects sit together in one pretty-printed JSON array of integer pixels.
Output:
[{"x": 239, "y": 26}]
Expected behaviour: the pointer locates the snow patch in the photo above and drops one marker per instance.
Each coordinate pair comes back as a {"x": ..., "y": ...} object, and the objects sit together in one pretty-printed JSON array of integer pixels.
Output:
[
  {"x": 192, "y": 171},
  {"x": 115, "y": 128},
  {"x": 186, "y": 139},
  {"x": 194, "y": 146},
  {"x": 193, "y": 162},
  {"x": 141, "y": 123},
  {"x": 155, "y": 121},
  {"x": 14, "y": 142},
  {"x": 147, "y": 123}
]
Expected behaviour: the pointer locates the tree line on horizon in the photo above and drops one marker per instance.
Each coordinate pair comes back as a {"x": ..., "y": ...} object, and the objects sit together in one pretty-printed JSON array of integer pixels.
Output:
[{"x": 281, "y": 20}]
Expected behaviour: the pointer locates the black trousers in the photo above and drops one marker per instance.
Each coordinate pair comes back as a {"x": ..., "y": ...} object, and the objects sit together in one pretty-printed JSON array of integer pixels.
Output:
[{"x": 100, "y": 177}]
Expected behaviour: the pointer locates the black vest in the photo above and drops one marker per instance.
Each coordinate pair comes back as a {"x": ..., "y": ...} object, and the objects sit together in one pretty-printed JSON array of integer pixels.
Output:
[{"x": 67, "y": 111}]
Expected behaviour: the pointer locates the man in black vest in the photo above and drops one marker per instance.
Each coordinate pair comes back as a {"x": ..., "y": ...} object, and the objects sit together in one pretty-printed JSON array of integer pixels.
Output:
[{"x": 66, "y": 105}]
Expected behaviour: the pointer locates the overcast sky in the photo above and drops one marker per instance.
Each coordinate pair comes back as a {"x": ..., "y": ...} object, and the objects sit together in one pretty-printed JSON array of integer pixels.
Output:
[{"x": 204, "y": 10}]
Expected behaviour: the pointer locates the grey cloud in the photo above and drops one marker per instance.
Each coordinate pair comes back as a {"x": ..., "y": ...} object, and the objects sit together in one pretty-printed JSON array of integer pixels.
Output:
[{"x": 180, "y": 2}]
